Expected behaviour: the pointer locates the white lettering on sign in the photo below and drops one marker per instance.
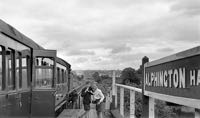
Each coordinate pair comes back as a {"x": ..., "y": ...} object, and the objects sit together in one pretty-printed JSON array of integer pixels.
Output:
[
  {"x": 194, "y": 77},
  {"x": 182, "y": 78},
  {"x": 175, "y": 78},
  {"x": 167, "y": 78},
  {"x": 198, "y": 78}
]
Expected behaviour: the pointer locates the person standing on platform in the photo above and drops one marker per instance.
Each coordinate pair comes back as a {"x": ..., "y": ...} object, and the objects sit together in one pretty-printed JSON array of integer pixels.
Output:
[
  {"x": 98, "y": 98},
  {"x": 86, "y": 93},
  {"x": 73, "y": 96}
]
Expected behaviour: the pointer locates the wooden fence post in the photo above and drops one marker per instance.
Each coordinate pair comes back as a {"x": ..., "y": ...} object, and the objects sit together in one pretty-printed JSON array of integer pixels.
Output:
[
  {"x": 145, "y": 99},
  {"x": 145, "y": 106},
  {"x": 116, "y": 96},
  {"x": 113, "y": 105},
  {"x": 132, "y": 104},
  {"x": 151, "y": 107},
  {"x": 122, "y": 101}
]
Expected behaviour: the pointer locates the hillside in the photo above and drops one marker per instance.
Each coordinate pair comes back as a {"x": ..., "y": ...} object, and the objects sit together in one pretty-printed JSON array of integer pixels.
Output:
[{"x": 89, "y": 73}]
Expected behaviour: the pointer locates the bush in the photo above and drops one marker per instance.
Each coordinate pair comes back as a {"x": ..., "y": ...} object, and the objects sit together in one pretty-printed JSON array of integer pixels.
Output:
[{"x": 164, "y": 111}]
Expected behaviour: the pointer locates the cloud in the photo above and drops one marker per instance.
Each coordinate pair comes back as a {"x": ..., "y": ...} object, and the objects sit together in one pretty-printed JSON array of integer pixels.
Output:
[
  {"x": 189, "y": 7},
  {"x": 167, "y": 49},
  {"x": 169, "y": 28},
  {"x": 80, "y": 52},
  {"x": 107, "y": 34},
  {"x": 81, "y": 60},
  {"x": 120, "y": 49}
]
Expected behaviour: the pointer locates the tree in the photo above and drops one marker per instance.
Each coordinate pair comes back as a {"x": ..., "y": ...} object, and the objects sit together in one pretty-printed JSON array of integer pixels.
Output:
[
  {"x": 96, "y": 77},
  {"x": 129, "y": 75},
  {"x": 105, "y": 77}
]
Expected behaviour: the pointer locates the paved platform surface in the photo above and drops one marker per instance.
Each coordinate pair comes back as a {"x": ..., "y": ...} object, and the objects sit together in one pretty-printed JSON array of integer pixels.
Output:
[
  {"x": 71, "y": 113},
  {"x": 80, "y": 113}
]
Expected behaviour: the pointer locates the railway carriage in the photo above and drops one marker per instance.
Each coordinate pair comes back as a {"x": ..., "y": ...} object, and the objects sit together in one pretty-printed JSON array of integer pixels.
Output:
[{"x": 33, "y": 80}]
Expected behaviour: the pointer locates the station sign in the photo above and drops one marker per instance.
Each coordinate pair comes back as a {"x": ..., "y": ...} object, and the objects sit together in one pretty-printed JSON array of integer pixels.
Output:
[{"x": 176, "y": 75}]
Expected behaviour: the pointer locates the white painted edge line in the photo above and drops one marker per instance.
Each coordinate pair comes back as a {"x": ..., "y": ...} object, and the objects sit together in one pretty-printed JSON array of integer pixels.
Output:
[
  {"x": 130, "y": 88},
  {"x": 195, "y": 103}
]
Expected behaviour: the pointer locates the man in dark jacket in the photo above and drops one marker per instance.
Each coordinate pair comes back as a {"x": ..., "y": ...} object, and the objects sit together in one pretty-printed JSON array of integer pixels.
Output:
[
  {"x": 73, "y": 96},
  {"x": 86, "y": 94}
]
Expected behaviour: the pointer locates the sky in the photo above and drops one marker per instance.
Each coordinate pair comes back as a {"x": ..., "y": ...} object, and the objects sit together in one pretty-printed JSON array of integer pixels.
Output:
[{"x": 107, "y": 34}]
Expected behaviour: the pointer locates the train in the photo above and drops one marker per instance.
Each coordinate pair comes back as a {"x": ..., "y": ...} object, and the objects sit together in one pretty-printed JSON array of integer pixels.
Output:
[{"x": 34, "y": 82}]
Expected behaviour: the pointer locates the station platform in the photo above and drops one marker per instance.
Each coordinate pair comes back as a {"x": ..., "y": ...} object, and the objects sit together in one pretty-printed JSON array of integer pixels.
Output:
[
  {"x": 78, "y": 113},
  {"x": 71, "y": 113}
]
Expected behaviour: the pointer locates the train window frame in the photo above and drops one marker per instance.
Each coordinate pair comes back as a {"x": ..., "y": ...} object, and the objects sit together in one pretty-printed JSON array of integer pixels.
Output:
[
  {"x": 63, "y": 76},
  {"x": 9, "y": 44},
  {"x": 66, "y": 76},
  {"x": 3, "y": 70},
  {"x": 58, "y": 75},
  {"x": 25, "y": 71},
  {"x": 40, "y": 66},
  {"x": 10, "y": 67},
  {"x": 29, "y": 76},
  {"x": 18, "y": 67}
]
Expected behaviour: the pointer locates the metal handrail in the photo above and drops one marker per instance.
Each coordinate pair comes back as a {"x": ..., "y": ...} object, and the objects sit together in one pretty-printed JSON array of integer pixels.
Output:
[
  {"x": 78, "y": 87},
  {"x": 130, "y": 87}
]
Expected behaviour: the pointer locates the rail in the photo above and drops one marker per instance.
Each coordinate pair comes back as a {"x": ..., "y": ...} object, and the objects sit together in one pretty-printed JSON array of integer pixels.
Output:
[
  {"x": 129, "y": 87},
  {"x": 132, "y": 91}
]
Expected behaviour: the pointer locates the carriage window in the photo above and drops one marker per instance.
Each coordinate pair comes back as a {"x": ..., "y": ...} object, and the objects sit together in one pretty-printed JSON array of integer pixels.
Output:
[
  {"x": 10, "y": 56},
  {"x": 1, "y": 61},
  {"x": 44, "y": 72},
  {"x": 63, "y": 76},
  {"x": 44, "y": 78},
  {"x": 60, "y": 73},
  {"x": 27, "y": 70},
  {"x": 25, "y": 79},
  {"x": 66, "y": 76},
  {"x": 58, "y": 76},
  {"x": 19, "y": 69}
]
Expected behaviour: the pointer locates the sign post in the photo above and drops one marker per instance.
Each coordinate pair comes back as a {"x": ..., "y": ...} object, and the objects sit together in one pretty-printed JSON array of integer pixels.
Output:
[{"x": 145, "y": 99}]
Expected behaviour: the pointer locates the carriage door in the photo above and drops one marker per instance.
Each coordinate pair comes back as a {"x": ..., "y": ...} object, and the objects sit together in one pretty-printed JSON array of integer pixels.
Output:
[{"x": 43, "y": 99}]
